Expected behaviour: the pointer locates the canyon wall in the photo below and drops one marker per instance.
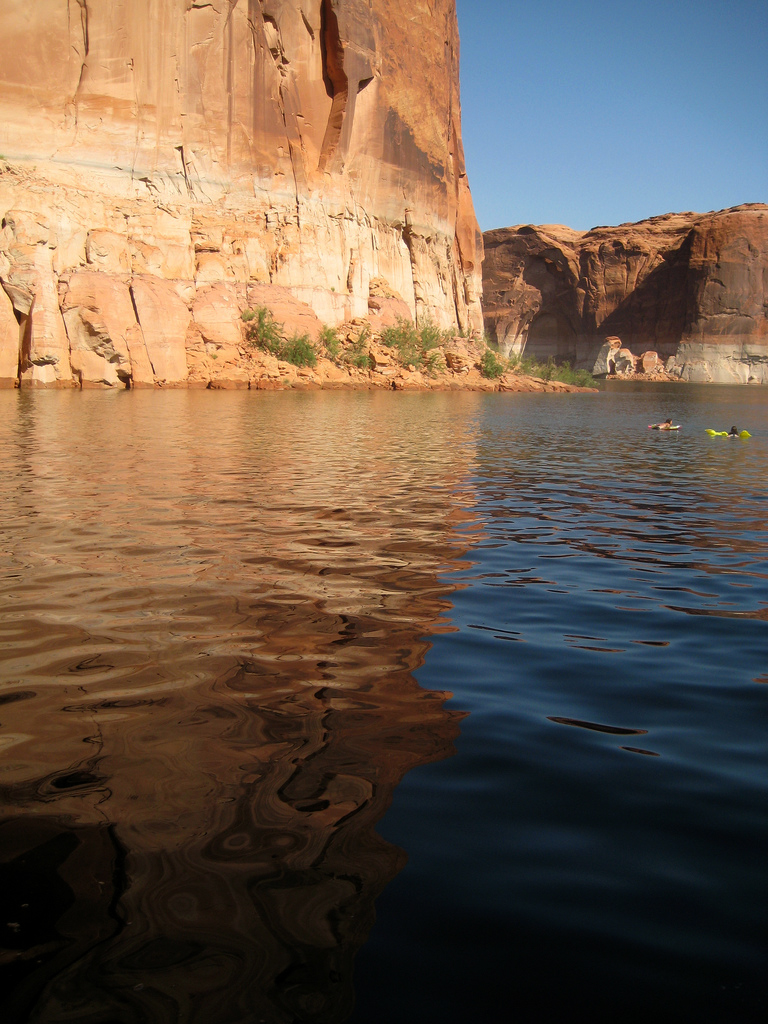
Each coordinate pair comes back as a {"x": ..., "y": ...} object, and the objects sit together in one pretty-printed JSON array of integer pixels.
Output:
[
  {"x": 163, "y": 158},
  {"x": 692, "y": 288}
]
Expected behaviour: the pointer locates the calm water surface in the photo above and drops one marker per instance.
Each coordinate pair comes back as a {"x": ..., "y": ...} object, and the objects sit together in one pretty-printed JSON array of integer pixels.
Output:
[{"x": 383, "y": 708}]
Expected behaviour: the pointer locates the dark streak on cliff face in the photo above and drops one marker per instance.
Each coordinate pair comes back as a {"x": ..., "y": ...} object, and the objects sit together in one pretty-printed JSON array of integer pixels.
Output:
[{"x": 335, "y": 78}]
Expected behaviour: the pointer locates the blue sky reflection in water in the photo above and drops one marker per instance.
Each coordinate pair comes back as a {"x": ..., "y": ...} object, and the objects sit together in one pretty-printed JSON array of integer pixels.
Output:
[{"x": 597, "y": 846}]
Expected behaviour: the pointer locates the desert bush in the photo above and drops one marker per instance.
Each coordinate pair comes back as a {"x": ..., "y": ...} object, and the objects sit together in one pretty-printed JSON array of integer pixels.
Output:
[
  {"x": 298, "y": 350},
  {"x": 402, "y": 337},
  {"x": 431, "y": 336},
  {"x": 263, "y": 331},
  {"x": 516, "y": 362},
  {"x": 490, "y": 365},
  {"x": 412, "y": 343},
  {"x": 434, "y": 361},
  {"x": 547, "y": 370},
  {"x": 329, "y": 340},
  {"x": 358, "y": 354},
  {"x": 581, "y": 378},
  {"x": 550, "y": 370}
]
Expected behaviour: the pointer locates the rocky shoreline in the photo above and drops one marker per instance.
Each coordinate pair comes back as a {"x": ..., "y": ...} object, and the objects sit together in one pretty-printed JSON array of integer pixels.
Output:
[
  {"x": 327, "y": 376},
  {"x": 457, "y": 368}
]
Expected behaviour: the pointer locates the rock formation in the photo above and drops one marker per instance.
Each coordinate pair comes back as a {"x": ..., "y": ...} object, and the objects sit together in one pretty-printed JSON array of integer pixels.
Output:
[
  {"x": 688, "y": 289},
  {"x": 161, "y": 157}
]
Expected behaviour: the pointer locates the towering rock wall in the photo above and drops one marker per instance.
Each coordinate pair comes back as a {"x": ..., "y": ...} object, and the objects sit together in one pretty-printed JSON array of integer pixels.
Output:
[
  {"x": 167, "y": 147},
  {"x": 691, "y": 287}
]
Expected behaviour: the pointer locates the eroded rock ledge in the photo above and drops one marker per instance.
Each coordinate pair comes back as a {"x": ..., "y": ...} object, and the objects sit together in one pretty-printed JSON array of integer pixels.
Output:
[
  {"x": 166, "y": 157},
  {"x": 690, "y": 290}
]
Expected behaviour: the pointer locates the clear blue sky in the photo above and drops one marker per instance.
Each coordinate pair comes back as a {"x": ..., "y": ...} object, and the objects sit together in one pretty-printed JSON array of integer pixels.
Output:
[{"x": 591, "y": 112}]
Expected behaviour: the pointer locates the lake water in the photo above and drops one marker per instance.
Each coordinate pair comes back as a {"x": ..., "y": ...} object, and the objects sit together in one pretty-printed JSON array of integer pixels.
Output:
[{"x": 383, "y": 708}]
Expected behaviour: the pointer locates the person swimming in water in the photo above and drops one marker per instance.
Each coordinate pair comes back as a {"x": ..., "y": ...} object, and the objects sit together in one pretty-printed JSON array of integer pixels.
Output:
[
  {"x": 666, "y": 425},
  {"x": 733, "y": 432}
]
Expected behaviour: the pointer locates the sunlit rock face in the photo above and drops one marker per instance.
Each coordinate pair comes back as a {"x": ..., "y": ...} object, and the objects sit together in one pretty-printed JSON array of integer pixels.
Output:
[
  {"x": 690, "y": 287},
  {"x": 309, "y": 144}
]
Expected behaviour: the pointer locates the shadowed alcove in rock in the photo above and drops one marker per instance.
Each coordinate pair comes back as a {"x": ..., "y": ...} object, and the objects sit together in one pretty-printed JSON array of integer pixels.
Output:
[{"x": 551, "y": 335}]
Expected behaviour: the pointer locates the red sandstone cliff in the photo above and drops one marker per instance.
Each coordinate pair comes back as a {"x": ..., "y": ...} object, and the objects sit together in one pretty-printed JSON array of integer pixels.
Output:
[
  {"x": 159, "y": 149},
  {"x": 691, "y": 287}
]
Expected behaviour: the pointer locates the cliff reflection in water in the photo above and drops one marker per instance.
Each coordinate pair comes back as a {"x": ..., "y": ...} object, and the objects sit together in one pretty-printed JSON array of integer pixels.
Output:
[{"x": 208, "y": 699}]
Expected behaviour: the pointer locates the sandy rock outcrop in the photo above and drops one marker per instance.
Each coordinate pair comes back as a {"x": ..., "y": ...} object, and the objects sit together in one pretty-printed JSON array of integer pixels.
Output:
[
  {"x": 214, "y": 341},
  {"x": 605, "y": 361},
  {"x": 313, "y": 146},
  {"x": 648, "y": 362},
  {"x": 691, "y": 288},
  {"x": 45, "y": 358},
  {"x": 164, "y": 318},
  {"x": 10, "y": 343},
  {"x": 106, "y": 341}
]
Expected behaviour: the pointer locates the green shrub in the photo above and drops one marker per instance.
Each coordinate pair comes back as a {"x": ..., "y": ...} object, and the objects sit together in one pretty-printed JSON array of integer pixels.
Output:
[
  {"x": 263, "y": 331},
  {"x": 581, "y": 378},
  {"x": 434, "y": 361},
  {"x": 358, "y": 355},
  {"x": 551, "y": 370},
  {"x": 298, "y": 350},
  {"x": 547, "y": 370},
  {"x": 329, "y": 340},
  {"x": 522, "y": 364},
  {"x": 490, "y": 366},
  {"x": 363, "y": 361},
  {"x": 403, "y": 338},
  {"x": 412, "y": 343},
  {"x": 431, "y": 336}
]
